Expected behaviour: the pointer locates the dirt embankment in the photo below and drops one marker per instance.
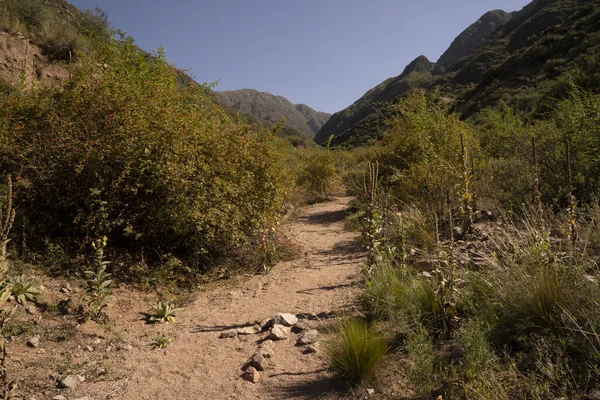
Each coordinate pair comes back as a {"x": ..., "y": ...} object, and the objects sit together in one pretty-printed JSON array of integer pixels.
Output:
[{"x": 23, "y": 62}]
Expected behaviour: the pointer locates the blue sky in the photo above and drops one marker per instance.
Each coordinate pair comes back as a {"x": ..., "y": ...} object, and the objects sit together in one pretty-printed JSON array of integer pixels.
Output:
[{"x": 324, "y": 53}]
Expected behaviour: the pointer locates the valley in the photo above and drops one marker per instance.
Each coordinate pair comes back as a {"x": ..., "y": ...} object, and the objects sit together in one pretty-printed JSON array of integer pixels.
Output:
[{"x": 161, "y": 238}]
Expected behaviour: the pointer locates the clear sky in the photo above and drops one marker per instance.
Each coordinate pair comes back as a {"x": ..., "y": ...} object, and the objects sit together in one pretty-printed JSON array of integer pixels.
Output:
[{"x": 324, "y": 53}]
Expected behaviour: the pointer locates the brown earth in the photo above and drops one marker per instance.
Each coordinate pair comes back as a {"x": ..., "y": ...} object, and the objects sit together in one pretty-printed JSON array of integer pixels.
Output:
[
  {"x": 317, "y": 287},
  {"x": 23, "y": 62}
]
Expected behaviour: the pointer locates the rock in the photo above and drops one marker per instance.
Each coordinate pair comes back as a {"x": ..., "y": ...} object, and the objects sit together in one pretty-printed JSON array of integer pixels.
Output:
[
  {"x": 593, "y": 395},
  {"x": 279, "y": 332},
  {"x": 34, "y": 342},
  {"x": 227, "y": 334},
  {"x": 557, "y": 233},
  {"x": 84, "y": 398},
  {"x": 124, "y": 346},
  {"x": 457, "y": 231},
  {"x": 311, "y": 348},
  {"x": 251, "y": 375},
  {"x": 265, "y": 324},
  {"x": 309, "y": 337},
  {"x": 266, "y": 349},
  {"x": 300, "y": 327},
  {"x": 258, "y": 361},
  {"x": 370, "y": 392},
  {"x": 70, "y": 381},
  {"x": 285, "y": 319},
  {"x": 424, "y": 265},
  {"x": 249, "y": 330},
  {"x": 464, "y": 259},
  {"x": 31, "y": 309},
  {"x": 88, "y": 348},
  {"x": 59, "y": 397}
]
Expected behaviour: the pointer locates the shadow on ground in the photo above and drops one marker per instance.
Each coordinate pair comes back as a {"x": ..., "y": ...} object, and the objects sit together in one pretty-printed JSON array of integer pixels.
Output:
[
  {"x": 331, "y": 287},
  {"x": 218, "y": 328},
  {"x": 313, "y": 389},
  {"x": 325, "y": 218}
]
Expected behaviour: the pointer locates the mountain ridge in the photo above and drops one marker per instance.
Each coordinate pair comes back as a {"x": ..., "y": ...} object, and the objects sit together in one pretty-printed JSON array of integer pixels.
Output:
[
  {"x": 272, "y": 108},
  {"x": 525, "y": 61}
]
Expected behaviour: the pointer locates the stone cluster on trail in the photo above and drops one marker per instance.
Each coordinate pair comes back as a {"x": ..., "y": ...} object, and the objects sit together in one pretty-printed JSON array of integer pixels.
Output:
[{"x": 281, "y": 327}]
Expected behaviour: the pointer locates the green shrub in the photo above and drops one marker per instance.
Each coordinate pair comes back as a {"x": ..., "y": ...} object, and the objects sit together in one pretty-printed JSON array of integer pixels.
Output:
[
  {"x": 420, "y": 154},
  {"x": 421, "y": 351},
  {"x": 121, "y": 152},
  {"x": 30, "y": 12},
  {"x": 316, "y": 176},
  {"x": 426, "y": 307},
  {"x": 477, "y": 353},
  {"x": 386, "y": 290},
  {"x": 99, "y": 287},
  {"x": 357, "y": 350},
  {"x": 23, "y": 288},
  {"x": 163, "y": 312},
  {"x": 61, "y": 40}
]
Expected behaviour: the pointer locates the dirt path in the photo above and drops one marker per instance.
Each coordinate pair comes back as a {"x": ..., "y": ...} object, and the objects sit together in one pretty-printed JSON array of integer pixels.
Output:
[{"x": 199, "y": 365}]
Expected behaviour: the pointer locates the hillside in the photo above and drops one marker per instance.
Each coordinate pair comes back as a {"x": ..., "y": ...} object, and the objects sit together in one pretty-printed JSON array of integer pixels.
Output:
[
  {"x": 523, "y": 62},
  {"x": 269, "y": 107},
  {"x": 474, "y": 36},
  {"x": 361, "y": 121},
  {"x": 530, "y": 59}
]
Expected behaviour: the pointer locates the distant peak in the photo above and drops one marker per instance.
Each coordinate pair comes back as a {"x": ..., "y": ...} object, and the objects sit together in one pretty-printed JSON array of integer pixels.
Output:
[
  {"x": 474, "y": 36},
  {"x": 419, "y": 64}
]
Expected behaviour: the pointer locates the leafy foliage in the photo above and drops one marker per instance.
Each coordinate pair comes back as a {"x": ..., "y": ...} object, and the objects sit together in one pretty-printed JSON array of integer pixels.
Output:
[
  {"x": 163, "y": 312},
  {"x": 120, "y": 152},
  {"x": 23, "y": 288},
  {"x": 317, "y": 173},
  {"x": 161, "y": 342},
  {"x": 99, "y": 287}
]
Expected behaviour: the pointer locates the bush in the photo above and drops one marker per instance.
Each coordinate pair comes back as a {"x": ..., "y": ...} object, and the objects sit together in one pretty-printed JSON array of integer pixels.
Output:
[
  {"x": 420, "y": 155},
  {"x": 357, "y": 350},
  {"x": 316, "y": 176},
  {"x": 30, "y": 12},
  {"x": 120, "y": 152},
  {"x": 421, "y": 351},
  {"x": 386, "y": 290},
  {"x": 477, "y": 352}
]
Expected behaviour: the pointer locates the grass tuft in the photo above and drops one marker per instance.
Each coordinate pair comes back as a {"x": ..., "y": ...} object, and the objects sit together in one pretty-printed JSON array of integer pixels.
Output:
[{"x": 357, "y": 350}]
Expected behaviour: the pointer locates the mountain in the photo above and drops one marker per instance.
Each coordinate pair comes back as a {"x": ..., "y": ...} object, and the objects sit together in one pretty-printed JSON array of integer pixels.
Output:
[
  {"x": 530, "y": 57},
  {"x": 474, "y": 36},
  {"x": 269, "y": 107},
  {"x": 361, "y": 120}
]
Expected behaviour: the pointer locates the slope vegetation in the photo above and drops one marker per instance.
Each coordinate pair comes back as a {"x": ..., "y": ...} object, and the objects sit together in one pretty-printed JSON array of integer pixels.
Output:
[{"x": 271, "y": 108}]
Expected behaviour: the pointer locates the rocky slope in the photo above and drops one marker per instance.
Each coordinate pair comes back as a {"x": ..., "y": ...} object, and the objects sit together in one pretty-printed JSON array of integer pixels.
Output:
[
  {"x": 22, "y": 62},
  {"x": 269, "y": 107}
]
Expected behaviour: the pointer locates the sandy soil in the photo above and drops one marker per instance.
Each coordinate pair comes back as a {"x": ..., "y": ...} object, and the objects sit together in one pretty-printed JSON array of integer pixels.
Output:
[{"x": 324, "y": 282}]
